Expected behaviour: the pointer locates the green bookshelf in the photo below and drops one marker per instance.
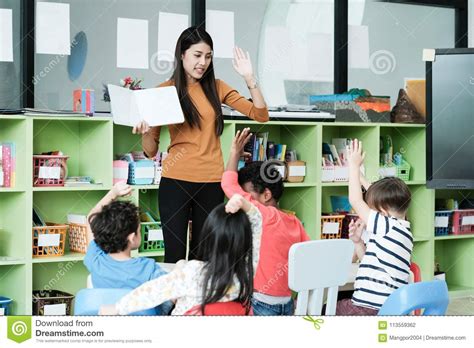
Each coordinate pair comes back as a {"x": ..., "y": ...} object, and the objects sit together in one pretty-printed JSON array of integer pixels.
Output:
[{"x": 92, "y": 144}]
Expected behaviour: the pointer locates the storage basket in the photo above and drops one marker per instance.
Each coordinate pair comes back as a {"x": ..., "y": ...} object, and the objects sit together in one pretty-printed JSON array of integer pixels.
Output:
[
  {"x": 463, "y": 221},
  {"x": 331, "y": 226},
  {"x": 78, "y": 238},
  {"x": 49, "y": 170},
  {"x": 152, "y": 237},
  {"x": 5, "y": 303},
  {"x": 141, "y": 172},
  {"x": 49, "y": 240},
  {"x": 443, "y": 222},
  {"x": 52, "y": 302},
  {"x": 345, "y": 224}
]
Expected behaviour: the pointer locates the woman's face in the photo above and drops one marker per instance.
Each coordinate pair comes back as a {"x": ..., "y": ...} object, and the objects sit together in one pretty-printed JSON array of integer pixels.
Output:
[{"x": 196, "y": 60}]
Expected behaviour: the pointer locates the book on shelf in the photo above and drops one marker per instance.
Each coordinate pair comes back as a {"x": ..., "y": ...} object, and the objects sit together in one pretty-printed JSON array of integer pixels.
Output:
[
  {"x": 42, "y": 112},
  {"x": 7, "y": 164}
]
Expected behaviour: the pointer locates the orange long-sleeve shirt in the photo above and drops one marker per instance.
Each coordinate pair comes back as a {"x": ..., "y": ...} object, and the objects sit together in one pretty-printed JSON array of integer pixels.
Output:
[{"x": 195, "y": 154}]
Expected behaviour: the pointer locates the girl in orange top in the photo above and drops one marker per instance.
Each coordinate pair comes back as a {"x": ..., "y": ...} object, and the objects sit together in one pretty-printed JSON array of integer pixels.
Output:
[{"x": 190, "y": 184}]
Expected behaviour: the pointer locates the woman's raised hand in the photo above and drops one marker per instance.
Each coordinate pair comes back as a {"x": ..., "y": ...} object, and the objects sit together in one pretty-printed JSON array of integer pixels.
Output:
[
  {"x": 242, "y": 63},
  {"x": 141, "y": 128}
]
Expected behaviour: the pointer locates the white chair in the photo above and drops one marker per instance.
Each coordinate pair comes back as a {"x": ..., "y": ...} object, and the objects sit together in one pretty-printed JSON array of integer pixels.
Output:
[
  {"x": 314, "y": 266},
  {"x": 89, "y": 284}
]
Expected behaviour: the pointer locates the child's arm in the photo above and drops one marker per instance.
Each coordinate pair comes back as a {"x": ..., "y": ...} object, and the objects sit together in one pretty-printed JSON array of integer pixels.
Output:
[
  {"x": 238, "y": 202},
  {"x": 365, "y": 183},
  {"x": 229, "y": 183},
  {"x": 120, "y": 189},
  {"x": 356, "y": 158},
  {"x": 149, "y": 294},
  {"x": 355, "y": 234}
]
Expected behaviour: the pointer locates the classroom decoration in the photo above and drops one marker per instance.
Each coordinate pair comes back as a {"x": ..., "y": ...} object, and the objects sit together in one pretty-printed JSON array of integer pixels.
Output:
[
  {"x": 356, "y": 105},
  {"x": 84, "y": 101},
  {"x": 405, "y": 111}
]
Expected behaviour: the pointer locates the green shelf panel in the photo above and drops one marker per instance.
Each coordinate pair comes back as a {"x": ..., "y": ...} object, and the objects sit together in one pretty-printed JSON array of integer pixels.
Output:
[
  {"x": 148, "y": 201},
  {"x": 68, "y": 256},
  {"x": 13, "y": 209},
  {"x": 299, "y": 184},
  {"x": 367, "y": 133},
  {"x": 12, "y": 189},
  {"x": 153, "y": 254},
  {"x": 301, "y": 200},
  {"x": 13, "y": 284},
  {"x": 72, "y": 118},
  {"x": 455, "y": 237},
  {"x": 124, "y": 141},
  {"x": 456, "y": 291},
  {"x": 421, "y": 212},
  {"x": 456, "y": 258},
  {"x": 88, "y": 145},
  {"x": 15, "y": 130},
  {"x": 411, "y": 143},
  {"x": 72, "y": 188},
  {"x": 69, "y": 276},
  {"x": 422, "y": 255}
]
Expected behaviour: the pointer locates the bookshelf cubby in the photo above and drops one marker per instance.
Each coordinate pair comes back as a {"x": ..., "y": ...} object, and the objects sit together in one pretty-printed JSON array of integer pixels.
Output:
[{"x": 93, "y": 142}]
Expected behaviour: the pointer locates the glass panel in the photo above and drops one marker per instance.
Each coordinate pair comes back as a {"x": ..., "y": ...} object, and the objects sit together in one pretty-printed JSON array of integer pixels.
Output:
[
  {"x": 94, "y": 40},
  {"x": 291, "y": 44},
  {"x": 391, "y": 49},
  {"x": 11, "y": 72}
]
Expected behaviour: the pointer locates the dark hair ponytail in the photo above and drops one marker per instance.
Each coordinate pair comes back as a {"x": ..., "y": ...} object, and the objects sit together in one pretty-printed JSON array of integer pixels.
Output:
[
  {"x": 227, "y": 252},
  {"x": 189, "y": 37}
]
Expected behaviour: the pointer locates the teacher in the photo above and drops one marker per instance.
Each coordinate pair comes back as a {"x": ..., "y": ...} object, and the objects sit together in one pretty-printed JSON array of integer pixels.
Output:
[{"x": 190, "y": 185}]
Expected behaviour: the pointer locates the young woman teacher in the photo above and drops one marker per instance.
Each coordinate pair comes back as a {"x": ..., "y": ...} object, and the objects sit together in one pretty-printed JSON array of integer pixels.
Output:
[{"x": 190, "y": 184}]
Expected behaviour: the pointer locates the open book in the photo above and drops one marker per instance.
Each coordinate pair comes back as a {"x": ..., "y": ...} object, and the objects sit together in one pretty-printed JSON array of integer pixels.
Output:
[{"x": 157, "y": 106}]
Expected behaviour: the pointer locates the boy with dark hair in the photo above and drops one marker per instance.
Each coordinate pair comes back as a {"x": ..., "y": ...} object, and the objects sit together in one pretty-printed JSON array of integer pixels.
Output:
[
  {"x": 385, "y": 258},
  {"x": 113, "y": 232},
  {"x": 262, "y": 185}
]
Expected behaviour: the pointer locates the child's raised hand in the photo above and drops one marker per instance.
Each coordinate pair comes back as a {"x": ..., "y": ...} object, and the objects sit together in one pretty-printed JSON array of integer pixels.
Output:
[
  {"x": 238, "y": 143},
  {"x": 234, "y": 204},
  {"x": 355, "y": 154},
  {"x": 108, "y": 310},
  {"x": 121, "y": 189},
  {"x": 355, "y": 230}
]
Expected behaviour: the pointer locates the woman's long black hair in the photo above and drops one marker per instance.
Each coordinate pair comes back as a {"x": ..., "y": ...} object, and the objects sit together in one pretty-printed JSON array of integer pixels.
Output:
[
  {"x": 189, "y": 37},
  {"x": 227, "y": 252}
]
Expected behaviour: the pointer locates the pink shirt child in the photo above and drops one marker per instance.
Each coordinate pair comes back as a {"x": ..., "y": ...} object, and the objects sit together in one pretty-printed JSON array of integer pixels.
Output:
[{"x": 280, "y": 232}]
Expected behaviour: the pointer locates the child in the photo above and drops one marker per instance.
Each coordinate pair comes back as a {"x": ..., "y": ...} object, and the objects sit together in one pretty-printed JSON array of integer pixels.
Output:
[
  {"x": 223, "y": 272},
  {"x": 280, "y": 230},
  {"x": 113, "y": 232},
  {"x": 385, "y": 260}
]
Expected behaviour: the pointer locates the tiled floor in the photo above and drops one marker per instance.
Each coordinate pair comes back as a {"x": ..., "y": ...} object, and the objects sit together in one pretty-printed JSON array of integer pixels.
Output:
[{"x": 461, "y": 306}]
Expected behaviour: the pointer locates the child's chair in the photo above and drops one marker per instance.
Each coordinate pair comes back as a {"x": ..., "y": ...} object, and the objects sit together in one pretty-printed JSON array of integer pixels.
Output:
[
  {"x": 88, "y": 301},
  {"x": 220, "y": 308},
  {"x": 432, "y": 296},
  {"x": 314, "y": 266}
]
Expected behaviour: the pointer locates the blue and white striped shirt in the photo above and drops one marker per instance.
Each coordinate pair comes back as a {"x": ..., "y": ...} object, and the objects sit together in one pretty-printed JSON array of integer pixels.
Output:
[{"x": 386, "y": 263}]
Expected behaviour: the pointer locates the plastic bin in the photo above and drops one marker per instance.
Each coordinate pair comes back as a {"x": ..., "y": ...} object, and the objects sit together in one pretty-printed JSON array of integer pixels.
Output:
[
  {"x": 152, "y": 237},
  {"x": 141, "y": 172},
  {"x": 49, "y": 241},
  {"x": 78, "y": 238},
  {"x": 49, "y": 170},
  {"x": 120, "y": 171},
  {"x": 331, "y": 226},
  {"x": 463, "y": 221},
  {"x": 443, "y": 222},
  {"x": 340, "y": 204},
  {"x": 5, "y": 303},
  {"x": 52, "y": 302}
]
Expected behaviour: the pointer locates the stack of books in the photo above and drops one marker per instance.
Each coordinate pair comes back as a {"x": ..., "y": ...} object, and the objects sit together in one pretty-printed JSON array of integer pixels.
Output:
[
  {"x": 335, "y": 154},
  {"x": 261, "y": 149},
  {"x": 7, "y": 165},
  {"x": 77, "y": 181}
]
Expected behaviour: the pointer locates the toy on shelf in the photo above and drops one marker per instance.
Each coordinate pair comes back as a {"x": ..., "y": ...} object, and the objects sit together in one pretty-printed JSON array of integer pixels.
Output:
[{"x": 392, "y": 165}]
